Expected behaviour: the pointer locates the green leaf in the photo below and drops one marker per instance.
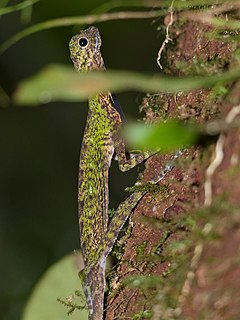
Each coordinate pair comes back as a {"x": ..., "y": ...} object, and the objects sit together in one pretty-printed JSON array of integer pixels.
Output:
[
  {"x": 53, "y": 83},
  {"x": 166, "y": 136},
  {"x": 59, "y": 281},
  {"x": 17, "y": 7},
  {"x": 62, "y": 83}
]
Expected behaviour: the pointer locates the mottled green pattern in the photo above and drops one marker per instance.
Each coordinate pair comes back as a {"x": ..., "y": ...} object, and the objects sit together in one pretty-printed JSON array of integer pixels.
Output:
[
  {"x": 101, "y": 139},
  {"x": 96, "y": 154}
]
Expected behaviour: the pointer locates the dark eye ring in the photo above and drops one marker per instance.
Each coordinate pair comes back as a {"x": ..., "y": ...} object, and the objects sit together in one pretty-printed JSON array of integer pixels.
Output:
[{"x": 83, "y": 42}]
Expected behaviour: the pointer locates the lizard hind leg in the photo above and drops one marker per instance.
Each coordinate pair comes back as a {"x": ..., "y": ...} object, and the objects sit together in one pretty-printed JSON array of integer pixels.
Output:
[
  {"x": 125, "y": 208},
  {"x": 120, "y": 216}
]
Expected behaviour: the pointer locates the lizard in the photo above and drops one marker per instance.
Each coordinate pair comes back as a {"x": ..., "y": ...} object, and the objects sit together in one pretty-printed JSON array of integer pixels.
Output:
[{"x": 101, "y": 140}]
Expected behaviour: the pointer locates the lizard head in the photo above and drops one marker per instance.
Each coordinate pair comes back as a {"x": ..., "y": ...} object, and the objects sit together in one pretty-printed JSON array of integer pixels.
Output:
[{"x": 85, "y": 50}]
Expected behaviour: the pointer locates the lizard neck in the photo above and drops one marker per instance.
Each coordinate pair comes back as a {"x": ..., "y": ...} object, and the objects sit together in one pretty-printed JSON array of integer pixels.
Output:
[
  {"x": 96, "y": 103},
  {"x": 102, "y": 104}
]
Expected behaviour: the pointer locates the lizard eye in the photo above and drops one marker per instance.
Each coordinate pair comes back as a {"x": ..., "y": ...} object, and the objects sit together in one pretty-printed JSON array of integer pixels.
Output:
[{"x": 83, "y": 42}]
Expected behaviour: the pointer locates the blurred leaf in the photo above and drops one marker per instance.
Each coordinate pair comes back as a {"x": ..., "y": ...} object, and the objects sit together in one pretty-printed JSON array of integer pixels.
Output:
[
  {"x": 62, "y": 83},
  {"x": 26, "y": 14},
  {"x": 17, "y": 7},
  {"x": 167, "y": 136},
  {"x": 59, "y": 281},
  {"x": 3, "y": 3}
]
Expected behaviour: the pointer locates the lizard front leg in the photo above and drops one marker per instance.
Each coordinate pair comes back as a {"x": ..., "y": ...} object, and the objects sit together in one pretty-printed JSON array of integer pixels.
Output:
[
  {"x": 125, "y": 208},
  {"x": 134, "y": 159}
]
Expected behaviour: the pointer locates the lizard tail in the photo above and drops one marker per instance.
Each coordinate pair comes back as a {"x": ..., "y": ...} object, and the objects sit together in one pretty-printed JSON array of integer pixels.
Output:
[{"x": 97, "y": 283}]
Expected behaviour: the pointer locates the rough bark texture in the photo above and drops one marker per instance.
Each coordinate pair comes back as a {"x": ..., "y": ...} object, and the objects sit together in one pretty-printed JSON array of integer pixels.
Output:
[{"x": 193, "y": 249}]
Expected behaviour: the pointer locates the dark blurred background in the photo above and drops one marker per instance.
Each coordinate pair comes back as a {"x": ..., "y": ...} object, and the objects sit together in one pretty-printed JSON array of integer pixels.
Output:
[{"x": 40, "y": 145}]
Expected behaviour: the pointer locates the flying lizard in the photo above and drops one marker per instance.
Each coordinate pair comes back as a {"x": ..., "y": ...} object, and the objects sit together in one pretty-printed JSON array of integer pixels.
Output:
[{"x": 101, "y": 140}]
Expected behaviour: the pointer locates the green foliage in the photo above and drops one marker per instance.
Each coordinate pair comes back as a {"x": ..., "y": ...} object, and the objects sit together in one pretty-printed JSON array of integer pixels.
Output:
[
  {"x": 146, "y": 314},
  {"x": 167, "y": 136},
  {"x": 141, "y": 248},
  {"x": 178, "y": 247},
  {"x": 201, "y": 66},
  {"x": 61, "y": 83},
  {"x": 60, "y": 280},
  {"x": 70, "y": 303}
]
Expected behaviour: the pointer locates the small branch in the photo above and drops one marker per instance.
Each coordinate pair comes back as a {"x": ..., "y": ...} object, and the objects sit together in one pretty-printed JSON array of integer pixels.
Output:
[
  {"x": 78, "y": 20},
  {"x": 167, "y": 38}
]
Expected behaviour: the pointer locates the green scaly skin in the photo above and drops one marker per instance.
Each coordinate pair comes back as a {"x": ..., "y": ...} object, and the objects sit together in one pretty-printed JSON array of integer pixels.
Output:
[{"x": 101, "y": 139}]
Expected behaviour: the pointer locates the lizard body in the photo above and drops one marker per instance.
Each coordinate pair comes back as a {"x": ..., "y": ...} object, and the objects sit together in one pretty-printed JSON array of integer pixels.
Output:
[{"x": 101, "y": 139}]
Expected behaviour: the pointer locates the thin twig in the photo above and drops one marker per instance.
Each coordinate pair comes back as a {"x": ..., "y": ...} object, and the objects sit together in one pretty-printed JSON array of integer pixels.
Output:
[
  {"x": 167, "y": 38},
  {"x": 78, "y": 20}
]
